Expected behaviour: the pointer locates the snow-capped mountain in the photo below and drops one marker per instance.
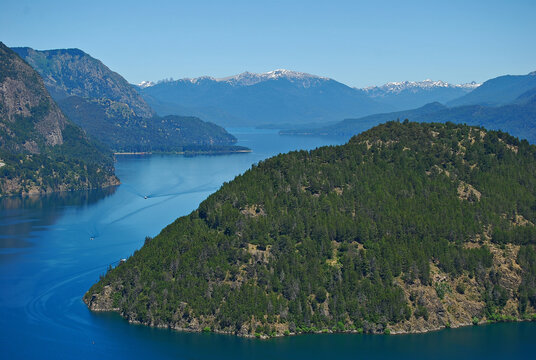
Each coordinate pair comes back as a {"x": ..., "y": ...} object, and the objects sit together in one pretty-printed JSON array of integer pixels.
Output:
[
  {"x": 290, "y": 97},
  {"x": 248, "y": 79},
  {"x": 412, "y": 94},
  {"x": 249, "y": 99}
]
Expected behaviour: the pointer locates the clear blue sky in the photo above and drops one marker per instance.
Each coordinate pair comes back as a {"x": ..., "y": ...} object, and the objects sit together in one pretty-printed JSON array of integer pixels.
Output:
[{"x": 360, "y": 43}]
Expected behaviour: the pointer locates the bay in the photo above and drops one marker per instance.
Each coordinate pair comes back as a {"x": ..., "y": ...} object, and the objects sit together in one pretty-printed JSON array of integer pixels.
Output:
[{"x": 53, "y": 248}]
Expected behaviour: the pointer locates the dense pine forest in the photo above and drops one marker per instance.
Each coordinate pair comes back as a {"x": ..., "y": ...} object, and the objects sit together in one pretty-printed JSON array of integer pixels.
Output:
[{"x": 408, "y": 227}]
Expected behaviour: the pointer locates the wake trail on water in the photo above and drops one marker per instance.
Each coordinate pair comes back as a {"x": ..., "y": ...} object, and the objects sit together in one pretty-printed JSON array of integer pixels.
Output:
[
  {"x": 39, "y": 307},
  {"x": 198, "y": 189},
  {"x": 169, "y": 196}
]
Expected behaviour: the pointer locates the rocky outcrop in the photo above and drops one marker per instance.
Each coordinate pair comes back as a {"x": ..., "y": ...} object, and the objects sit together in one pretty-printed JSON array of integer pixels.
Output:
[
  {"x": 458, "y": 301},
  {"x": 102, "y": 301}
]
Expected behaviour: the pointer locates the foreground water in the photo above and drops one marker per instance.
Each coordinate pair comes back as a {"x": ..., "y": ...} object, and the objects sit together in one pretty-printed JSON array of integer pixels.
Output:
[{"x": 53, "y": 248}]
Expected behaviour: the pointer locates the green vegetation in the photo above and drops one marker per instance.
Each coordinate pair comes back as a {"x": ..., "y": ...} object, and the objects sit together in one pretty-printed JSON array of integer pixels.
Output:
[{"x": 333, "y": 238}]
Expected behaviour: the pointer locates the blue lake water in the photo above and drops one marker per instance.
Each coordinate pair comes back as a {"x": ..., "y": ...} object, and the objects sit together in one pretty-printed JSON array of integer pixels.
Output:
[{"x": 53, "y": 248}]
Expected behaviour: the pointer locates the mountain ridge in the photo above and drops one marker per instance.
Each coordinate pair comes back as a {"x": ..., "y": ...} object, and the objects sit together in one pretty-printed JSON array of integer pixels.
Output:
[
  {"x": 516, "y": 114},
  {"x": 253, "y": 99},
  {"x": 498, "y": 91},
  {"x": 72, "y": 72},
  {"x": 279, "y": 96}
]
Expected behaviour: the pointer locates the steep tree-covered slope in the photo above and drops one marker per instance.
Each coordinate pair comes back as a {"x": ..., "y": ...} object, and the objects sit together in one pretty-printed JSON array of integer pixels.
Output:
[
  {"x": 40, "y": 149},
  {"x": 408, "y": 227}
]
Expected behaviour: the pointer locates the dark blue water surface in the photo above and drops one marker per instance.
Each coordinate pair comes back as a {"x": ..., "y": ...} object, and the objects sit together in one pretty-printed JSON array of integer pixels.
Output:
[{"x": 53, "y": 248}]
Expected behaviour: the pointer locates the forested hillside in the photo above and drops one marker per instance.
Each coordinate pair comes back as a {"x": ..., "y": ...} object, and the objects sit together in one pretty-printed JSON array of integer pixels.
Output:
[
  {"x": 114, "y": 125},
  {"x": 407, "y": 228}
]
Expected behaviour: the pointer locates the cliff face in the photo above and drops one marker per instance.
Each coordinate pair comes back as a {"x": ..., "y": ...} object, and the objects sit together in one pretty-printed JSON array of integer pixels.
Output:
[
  {"x": 23, "y": 95},
  {"x": 40, "y": 149},
  {"x": 72, "y": 72},
  {"x": 407, "y": 228}
]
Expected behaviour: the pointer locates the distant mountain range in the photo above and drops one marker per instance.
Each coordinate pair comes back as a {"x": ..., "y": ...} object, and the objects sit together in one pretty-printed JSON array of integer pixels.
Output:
[
  {"x": 277, "y": 97},
  {"x": 40, "y": 149},
  {"x": 516, "y": 112},
  {"x": 285, "y": 98},
  {"x": 111, "y": 110},
  {"x": 121, "y": 115}
]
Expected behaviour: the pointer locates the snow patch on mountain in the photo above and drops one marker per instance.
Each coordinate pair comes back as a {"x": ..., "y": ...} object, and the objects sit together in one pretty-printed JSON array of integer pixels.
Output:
[{"x": 146, "y": 84}]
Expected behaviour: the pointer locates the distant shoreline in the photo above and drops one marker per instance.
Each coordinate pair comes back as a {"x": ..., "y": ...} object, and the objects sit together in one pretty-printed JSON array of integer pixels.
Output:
[{"x": 208, "y": 152}]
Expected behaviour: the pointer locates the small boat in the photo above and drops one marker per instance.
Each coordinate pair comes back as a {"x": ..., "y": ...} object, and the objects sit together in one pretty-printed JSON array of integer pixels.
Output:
[
  {"x": 145, "y": 197},
  {"x": 92, "y": 238}
]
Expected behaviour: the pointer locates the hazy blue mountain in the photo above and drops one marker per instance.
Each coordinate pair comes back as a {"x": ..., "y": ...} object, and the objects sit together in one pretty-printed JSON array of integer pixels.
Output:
[
  {"x": 518, "y": 118},
  {"x": 353, "y": 126},
  {"x": 501, "y": 90},
  {"x": 413, "y": 94},
  {"x": 276, "y": 97}
]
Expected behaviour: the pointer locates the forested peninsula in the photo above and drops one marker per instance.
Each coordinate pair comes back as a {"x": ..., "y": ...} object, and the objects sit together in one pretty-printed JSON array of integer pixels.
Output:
[{"x": 409, "y": 227}]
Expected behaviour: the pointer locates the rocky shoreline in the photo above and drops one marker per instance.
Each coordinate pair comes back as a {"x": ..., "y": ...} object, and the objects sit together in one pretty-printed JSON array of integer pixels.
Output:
[
  {"x": 15, "y": 187},
  {"x": 451, "y": 309}
]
